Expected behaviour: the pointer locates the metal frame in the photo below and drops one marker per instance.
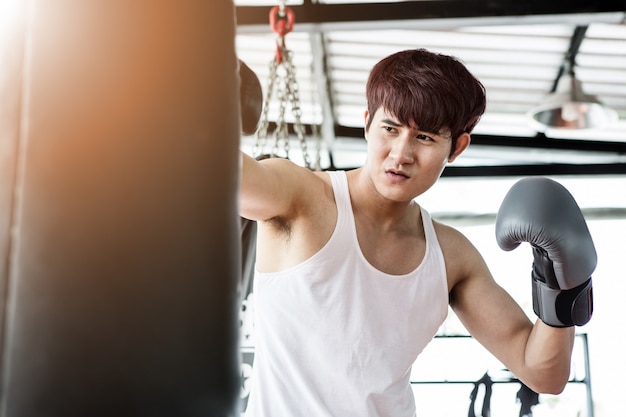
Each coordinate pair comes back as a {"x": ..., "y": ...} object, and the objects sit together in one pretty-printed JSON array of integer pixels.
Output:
[
  {"x": 352, "y": 16},
  {"x": 586, "y": 380}
]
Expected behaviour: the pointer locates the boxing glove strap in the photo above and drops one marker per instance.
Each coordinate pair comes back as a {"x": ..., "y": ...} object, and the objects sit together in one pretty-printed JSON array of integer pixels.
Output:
[{"x": 563, "y": 308}]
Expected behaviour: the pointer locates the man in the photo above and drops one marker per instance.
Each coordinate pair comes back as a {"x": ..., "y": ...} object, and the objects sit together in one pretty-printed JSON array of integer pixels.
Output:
[{"x": 354, "y": 278}]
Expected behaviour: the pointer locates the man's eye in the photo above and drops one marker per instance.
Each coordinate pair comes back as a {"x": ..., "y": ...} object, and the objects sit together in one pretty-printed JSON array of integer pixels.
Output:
[
  {"x": 424, "y": 137},
  {"x": 388, "y": 128}
]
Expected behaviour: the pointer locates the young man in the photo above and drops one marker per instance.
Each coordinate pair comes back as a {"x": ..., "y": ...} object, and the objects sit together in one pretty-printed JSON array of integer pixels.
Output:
[{"x": 354, "y": 278}]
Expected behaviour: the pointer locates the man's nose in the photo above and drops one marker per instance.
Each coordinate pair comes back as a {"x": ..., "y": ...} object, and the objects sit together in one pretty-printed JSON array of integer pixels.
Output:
[{"x": 402, "y": 150}]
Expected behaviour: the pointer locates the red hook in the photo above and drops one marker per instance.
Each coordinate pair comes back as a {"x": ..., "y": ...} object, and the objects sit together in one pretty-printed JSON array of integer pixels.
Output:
[{"x": 281, "y": 22}]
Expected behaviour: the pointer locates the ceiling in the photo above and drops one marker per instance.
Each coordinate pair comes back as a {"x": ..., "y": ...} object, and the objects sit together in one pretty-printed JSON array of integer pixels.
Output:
[{"x": 517, "y": 49}]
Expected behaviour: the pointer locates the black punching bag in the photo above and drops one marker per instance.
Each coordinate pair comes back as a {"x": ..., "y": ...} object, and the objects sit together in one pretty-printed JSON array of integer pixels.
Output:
[{"x": 119, "y": 228}]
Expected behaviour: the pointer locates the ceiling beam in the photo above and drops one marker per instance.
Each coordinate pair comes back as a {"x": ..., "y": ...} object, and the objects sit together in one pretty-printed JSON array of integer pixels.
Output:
[
  {"x": 356, "y": 16},
  {"x": 527, "y": 170},
  {"x": 533, "y": 170},
  {"x": 540, "y": 141}
]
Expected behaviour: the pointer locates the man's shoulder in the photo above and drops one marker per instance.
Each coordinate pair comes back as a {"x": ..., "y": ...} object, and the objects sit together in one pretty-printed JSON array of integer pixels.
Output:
[
  {"x": 460, "y": 254},
  {"x": 448, "y": 235}
]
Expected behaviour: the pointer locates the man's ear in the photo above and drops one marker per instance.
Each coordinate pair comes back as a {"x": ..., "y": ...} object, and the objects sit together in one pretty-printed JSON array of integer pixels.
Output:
[
  {"x": 366, "y": 119},
  {"x": 462, "y": 142}
]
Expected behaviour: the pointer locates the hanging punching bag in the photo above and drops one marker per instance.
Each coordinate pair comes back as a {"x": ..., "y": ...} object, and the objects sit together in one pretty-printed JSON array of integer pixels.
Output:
[{"x": 119, "y": 228}]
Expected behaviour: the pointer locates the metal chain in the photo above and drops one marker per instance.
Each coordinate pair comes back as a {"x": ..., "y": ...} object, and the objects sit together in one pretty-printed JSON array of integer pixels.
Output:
[
  {"x": 287, "y": 91},
  {"x": 293, "y": 95},
  {"x": 261, "y": 133},
  {"x": 281, "y": 134},
  {"x": 315, "y": 130}
]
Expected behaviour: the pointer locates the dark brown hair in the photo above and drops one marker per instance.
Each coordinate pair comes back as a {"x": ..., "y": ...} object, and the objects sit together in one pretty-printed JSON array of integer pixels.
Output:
[{"x": 433, "y": 91}]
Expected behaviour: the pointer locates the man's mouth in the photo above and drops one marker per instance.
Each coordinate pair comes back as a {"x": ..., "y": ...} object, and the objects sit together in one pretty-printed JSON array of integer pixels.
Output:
[{"x": 395, "y": 173}]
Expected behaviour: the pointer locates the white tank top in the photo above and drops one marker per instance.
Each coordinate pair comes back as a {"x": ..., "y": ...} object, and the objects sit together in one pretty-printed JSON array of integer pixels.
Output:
[{"x": 336, "y": 337}]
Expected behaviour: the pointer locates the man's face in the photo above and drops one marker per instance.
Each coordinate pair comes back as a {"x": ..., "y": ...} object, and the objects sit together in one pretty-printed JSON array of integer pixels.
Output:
[{"x": 404, "y": 161}]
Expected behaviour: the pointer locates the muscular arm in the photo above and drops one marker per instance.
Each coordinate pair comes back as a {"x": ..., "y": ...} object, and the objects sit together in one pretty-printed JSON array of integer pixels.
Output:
[
  {"x": 294, "y": 207},
  {"x": 270, "y": 188},
  {"x": 538, "y": 354}
]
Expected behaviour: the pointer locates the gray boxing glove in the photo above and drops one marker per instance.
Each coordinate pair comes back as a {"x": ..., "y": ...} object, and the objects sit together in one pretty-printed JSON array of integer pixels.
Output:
[{"x": 542, "y": 212}]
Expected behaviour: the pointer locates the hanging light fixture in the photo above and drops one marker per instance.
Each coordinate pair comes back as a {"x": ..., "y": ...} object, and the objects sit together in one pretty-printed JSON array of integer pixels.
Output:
[{"x": 570, "y": 108}]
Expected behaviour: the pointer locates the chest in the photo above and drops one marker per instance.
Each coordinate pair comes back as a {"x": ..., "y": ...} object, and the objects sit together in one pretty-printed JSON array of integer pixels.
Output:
[{"x": 396, "y": 252}]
